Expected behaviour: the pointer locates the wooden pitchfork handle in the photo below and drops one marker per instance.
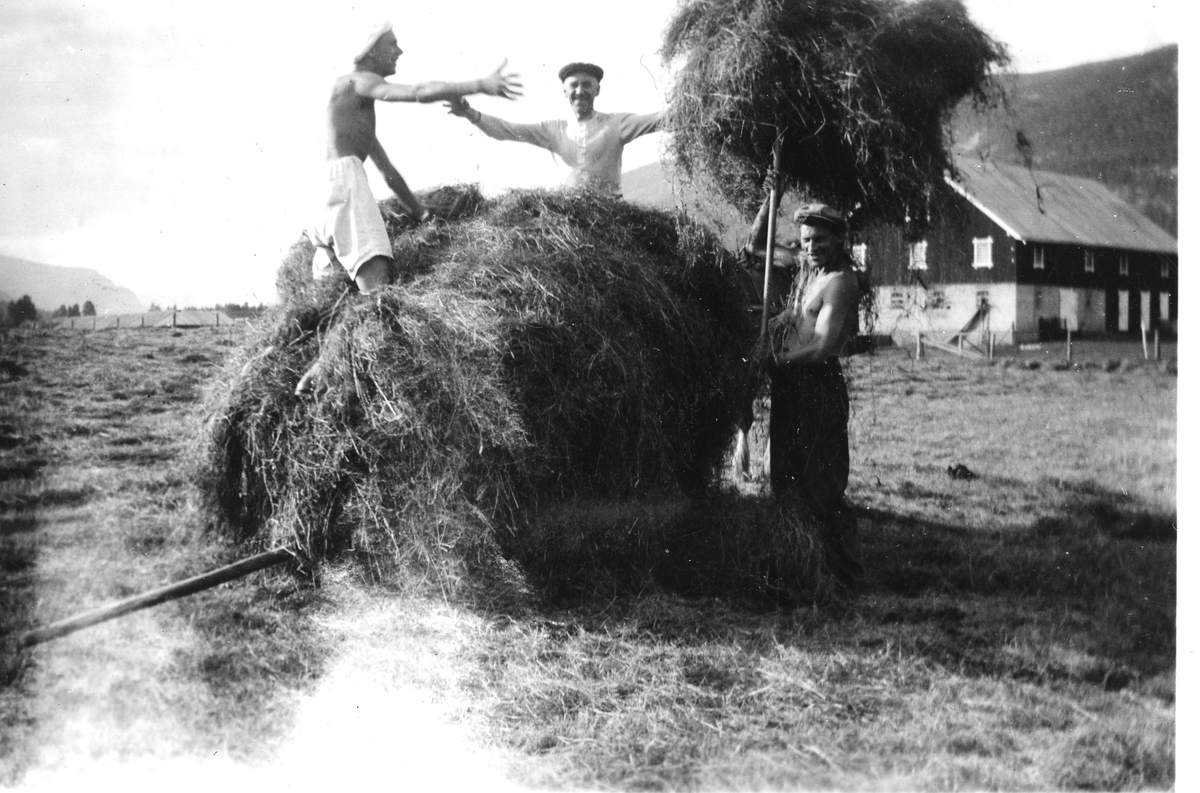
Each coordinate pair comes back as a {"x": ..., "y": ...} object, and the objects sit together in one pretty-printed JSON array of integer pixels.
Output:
[
  {"x": 777, "y": 156},
  {"x": 161, "y": 595}
]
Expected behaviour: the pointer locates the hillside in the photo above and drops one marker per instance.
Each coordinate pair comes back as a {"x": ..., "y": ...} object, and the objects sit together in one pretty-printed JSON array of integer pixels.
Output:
[
  {"x": 51, "y": 287},
  {"x": 1115, "y": 121}
]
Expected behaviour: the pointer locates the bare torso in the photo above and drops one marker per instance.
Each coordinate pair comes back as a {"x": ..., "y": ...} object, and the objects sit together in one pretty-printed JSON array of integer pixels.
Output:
[
  {"x": 822, "y": 288},
  {"x": 350, "y": 121}
]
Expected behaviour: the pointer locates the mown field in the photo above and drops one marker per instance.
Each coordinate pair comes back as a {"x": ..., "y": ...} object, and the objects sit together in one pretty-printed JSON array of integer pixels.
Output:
[{"x": 1017, "y": 630}]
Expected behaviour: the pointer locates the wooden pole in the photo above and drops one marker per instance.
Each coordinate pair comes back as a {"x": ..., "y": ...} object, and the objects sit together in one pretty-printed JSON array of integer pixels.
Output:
[
  {"x": 918, "y": 345},
  {"x": 1157, "y": 346},
  {"x": 154, "y": 597},
  {"x": 776, "y": 157},
  {"x": 1145, "y": 348},
  {"x": 1068, "y": 343}
]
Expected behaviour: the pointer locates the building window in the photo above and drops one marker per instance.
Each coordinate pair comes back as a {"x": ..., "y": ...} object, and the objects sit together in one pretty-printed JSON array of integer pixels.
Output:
[
  {"x": 917, "y": 255},
  {"x": 897, "y": 300},
  {"x": 1164, "y": 269},
  {"x": 937, "y": 299},
  {"x": 859, "y": 252},
  {"x": 1123, "y": 267},
  {"x": 983, "y": 252},
  {"x": 1039, "y": 257},
  {"x": 1089, "y": 261}
]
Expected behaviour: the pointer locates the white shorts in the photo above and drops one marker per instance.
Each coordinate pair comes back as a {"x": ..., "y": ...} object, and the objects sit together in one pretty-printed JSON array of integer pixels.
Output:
[{"x": 351, "y": 232}]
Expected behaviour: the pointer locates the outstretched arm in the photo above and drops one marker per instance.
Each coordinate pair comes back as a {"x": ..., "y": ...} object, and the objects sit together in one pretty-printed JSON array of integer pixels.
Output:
[
  {"x": 498, "y": 83},
  {"x": 395, "y": 180},
  {"x": 541, "y": 134}
]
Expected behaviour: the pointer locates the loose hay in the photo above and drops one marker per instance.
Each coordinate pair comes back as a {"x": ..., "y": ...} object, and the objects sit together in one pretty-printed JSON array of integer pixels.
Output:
[
  {"x": 864, "y": 89},
  {"x": 543, "y": 351}
]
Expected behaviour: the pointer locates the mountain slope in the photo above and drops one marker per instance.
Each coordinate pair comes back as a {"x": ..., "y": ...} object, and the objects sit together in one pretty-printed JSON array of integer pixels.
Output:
[
  {"x": 51, "y": 287},
  {"x": 1116, "y": 122}
]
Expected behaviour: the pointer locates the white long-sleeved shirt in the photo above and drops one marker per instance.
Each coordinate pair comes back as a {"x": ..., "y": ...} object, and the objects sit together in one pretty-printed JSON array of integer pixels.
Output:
[{"x": 591, "y": 149}]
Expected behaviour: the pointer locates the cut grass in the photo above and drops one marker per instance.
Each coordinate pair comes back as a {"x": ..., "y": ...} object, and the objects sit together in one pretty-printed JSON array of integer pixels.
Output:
[
  {"x": 1017, "y": 630},
  {"x": 96, "y": 508}
]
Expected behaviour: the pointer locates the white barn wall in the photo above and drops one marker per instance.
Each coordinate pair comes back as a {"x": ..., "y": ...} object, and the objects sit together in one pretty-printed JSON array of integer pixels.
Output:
[{"x": 905, "y": 311}]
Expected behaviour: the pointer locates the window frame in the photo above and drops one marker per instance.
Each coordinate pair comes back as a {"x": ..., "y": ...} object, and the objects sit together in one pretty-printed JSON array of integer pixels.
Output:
[
  {"x": 1123, "y": 265},
  {"x": 1089, "y": 261},
  {"x": 921, "y": 262},
  {"x": 982, "y": 243},
  {"x": 860, "y": 262},
  {"x": 1039, "y": 257}
]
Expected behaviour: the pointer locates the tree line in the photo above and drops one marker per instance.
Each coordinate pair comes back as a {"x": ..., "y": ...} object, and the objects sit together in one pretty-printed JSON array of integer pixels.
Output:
[{"x": 15, "y": 312}]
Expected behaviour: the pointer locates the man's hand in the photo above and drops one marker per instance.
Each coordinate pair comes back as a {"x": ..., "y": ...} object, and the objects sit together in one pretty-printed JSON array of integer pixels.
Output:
[
  {"x": 771, "y": 181},
  {"x": 457, "y": 106},
  {"x": 500, "y": 83}
]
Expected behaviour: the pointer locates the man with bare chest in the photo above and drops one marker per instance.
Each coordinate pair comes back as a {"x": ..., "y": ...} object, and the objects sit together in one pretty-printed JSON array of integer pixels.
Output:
[
  {"x": 810, "y": 407},
  {"x": 351, "y": 234}
]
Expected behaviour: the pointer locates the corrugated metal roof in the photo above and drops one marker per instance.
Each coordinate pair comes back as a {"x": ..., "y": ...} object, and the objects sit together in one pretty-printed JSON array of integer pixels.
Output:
[{"x": 1073, "y": 210}]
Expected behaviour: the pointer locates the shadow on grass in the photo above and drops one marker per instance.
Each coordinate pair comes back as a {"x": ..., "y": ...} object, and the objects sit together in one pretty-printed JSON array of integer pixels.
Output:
[
  {"x": 18, "y": 555},
  {"x": 1085, "y": 592}
]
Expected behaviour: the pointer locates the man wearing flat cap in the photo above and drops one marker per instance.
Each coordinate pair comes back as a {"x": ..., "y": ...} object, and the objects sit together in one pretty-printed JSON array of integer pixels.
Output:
[
  {"x": 350, "y": 234},
  {"x": 810, "y": 407},
  {"x": 590, "y": 144}
]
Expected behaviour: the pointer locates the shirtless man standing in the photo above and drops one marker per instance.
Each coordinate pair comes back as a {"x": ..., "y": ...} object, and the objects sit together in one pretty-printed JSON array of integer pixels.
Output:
[
  {"x": 351, "y": 233},
  {"x": 810, "y": 407}
]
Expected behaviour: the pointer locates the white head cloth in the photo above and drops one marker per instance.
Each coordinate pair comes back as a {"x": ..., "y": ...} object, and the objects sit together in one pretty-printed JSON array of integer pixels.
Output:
[{"x": 372, "y": 39}]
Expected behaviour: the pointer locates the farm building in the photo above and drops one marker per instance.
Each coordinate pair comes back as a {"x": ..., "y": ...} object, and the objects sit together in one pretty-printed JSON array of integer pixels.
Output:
[{"x": 1025, "y": 255}]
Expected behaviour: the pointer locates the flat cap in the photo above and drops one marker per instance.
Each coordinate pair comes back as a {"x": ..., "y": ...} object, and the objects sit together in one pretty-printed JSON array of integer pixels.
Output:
[
  {"x": 586, "y": 68},
  {"x": 820, "y": 214}
]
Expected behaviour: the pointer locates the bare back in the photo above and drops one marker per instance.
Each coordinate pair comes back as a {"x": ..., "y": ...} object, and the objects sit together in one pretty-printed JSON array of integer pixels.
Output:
[{"x": 350, "y": 120}]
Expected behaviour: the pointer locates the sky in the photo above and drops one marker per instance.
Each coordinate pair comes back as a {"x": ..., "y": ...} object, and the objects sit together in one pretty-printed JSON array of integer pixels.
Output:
[{"x": 175, "y": 147}]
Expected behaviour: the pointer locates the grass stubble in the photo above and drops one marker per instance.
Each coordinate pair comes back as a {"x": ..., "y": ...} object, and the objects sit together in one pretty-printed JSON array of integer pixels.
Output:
[{"x": 1017, "y": 630}]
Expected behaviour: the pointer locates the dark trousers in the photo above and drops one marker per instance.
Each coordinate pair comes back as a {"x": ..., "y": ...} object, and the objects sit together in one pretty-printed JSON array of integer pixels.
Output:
[{"x": 810, "y": 454}]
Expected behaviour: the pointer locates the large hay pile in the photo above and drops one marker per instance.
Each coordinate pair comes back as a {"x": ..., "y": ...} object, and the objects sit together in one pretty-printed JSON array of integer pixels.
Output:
[
  {"x": 864, "y": 89},
  {"x": 545, "y": 359}
]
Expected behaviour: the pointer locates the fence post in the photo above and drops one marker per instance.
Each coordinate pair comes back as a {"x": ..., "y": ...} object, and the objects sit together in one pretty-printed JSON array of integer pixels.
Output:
[
  {"x": 1157, "y": 346},
  {"x": 1145, "y": 348},
  {"x": 918, "y": 345},
  {"x": 1068, "y": 343}
]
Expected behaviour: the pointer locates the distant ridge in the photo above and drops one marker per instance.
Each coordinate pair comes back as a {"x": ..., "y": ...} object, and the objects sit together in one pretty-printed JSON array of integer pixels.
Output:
[
  {"x": 1116, "y": 122},
  {"x": 50, "y": 287}
]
